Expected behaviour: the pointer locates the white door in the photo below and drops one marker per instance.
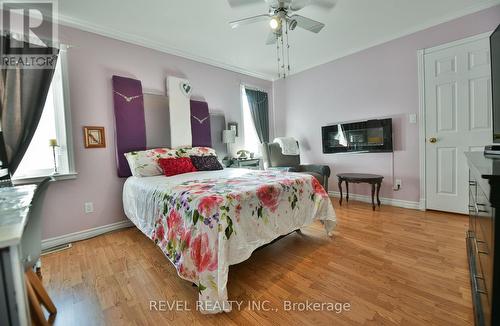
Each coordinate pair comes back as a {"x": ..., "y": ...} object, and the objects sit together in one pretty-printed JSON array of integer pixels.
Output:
[{"x": 458, "y": 113}]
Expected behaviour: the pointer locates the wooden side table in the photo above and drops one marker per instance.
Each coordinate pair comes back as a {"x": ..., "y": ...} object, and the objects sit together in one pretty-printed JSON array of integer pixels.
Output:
[{"x": 372, "y": 179}]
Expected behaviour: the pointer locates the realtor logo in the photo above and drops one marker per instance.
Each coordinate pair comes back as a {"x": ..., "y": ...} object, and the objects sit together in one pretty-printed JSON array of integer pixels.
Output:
[{"x": 29, "y": 34}]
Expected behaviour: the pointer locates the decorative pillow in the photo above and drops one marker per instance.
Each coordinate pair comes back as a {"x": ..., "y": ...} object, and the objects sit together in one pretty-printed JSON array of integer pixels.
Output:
[
  {"x": 174, "y": 166},
  {"x": 206, "y": 163},
  {"x": 145, "y": 163},
  {"x": 203, "y": 151},
  {"x": 195, "y": 151}
]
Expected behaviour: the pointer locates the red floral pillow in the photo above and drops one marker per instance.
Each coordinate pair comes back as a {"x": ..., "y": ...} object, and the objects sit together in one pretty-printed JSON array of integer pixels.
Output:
[{"x": 174, "y": 166}]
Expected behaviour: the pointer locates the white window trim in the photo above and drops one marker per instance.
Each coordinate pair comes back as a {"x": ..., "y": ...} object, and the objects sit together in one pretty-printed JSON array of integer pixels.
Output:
[
  {"x": 67, "y": 109},
  {"x": 68, "y": 139},
  {"x": 37, "y": 179},
  {"x": 243, "y": 86}
]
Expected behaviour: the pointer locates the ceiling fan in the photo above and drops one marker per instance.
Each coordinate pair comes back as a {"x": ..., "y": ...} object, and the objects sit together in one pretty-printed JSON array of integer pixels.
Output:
[{"x": 281, "y": 16}]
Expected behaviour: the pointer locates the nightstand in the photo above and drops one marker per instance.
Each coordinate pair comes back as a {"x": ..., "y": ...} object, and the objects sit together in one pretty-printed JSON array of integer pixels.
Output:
[{"x": 251, "y": 163}]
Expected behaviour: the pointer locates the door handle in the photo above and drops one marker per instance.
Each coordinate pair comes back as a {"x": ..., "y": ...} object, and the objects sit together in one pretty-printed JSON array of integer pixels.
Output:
[{"x": 433, "y": 140}]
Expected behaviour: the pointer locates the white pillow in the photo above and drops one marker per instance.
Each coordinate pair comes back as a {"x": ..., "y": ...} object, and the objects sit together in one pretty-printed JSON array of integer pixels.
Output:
[{"x": 145, "y": 163}]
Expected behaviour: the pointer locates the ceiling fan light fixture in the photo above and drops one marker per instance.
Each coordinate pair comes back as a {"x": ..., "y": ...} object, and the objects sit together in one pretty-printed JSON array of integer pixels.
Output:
[
  {"x": 282, "y": 19},
  {"x": 275, "y": 23}
]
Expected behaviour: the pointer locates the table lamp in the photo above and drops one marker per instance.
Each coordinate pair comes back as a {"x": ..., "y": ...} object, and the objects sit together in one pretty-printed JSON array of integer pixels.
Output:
[
  {"x": 53, "y": 143},
  {"x": 228, "y": 137}
]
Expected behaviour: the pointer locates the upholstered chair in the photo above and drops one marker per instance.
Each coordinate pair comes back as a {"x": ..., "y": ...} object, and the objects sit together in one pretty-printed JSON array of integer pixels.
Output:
[{"x": 274, "y": 159}]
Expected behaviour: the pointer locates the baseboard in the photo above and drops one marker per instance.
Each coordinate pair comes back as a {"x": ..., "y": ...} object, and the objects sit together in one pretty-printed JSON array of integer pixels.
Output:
[
  {"x": 85, "y": 234},
  {"x": 423, "y": 206},
  {"x": 90, "y": 233},
  {"x": 384, "y": 201}
]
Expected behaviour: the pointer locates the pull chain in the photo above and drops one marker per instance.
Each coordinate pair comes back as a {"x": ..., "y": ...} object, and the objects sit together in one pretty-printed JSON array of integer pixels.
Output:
[
  {"x": 287, "y": 50},
  {"x": 283, "y": 59},
  {"x": 283, "y": 53},
  {"x": 278, "y": 55}
]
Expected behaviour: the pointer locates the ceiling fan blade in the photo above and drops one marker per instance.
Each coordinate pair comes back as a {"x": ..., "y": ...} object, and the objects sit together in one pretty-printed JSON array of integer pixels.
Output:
[
  {"x": 324, "y": 4},
  {"x": 278, "y": 3},
  {"x": 271, "y": 38},
  {"x": 249, "y": 20},
  {"x": 242, "y": 3},
  {"x": 299, "y": 4},
  {"x": 307, "y": 23}
]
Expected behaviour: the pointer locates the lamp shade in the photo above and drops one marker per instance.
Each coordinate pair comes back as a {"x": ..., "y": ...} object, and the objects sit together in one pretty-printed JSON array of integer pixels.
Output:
[{"x": 228, "y": 136}]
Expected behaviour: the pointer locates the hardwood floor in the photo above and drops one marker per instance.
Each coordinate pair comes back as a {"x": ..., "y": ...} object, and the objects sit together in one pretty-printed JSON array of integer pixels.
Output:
[{"x": 393, "y": 266}]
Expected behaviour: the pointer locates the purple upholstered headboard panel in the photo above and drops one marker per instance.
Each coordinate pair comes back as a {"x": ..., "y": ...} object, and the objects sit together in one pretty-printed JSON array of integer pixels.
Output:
[
  {"x": 130, "y": 128},
  {"x": 200, "y": 124}
]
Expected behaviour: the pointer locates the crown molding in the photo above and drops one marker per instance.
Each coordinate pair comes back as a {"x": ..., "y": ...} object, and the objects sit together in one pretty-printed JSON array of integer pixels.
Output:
[
  {"x": 150, "y": 44},
  {"x": 418, "y": 28}
]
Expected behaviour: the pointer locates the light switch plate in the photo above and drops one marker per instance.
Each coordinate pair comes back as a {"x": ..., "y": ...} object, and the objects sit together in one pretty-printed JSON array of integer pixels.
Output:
[{"x": 413, "y": 118}]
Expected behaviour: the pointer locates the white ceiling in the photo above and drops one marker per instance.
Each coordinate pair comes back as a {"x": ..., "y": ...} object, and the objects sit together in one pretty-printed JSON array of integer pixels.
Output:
[{"x": 199, "y": 29}]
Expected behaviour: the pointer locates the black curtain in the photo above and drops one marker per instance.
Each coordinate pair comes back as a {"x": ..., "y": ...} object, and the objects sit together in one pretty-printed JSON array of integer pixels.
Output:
[
  {"x": 4, "y": 171},
  {"x": 23, "y": 92},
  {"x": 259, "y": 108}
]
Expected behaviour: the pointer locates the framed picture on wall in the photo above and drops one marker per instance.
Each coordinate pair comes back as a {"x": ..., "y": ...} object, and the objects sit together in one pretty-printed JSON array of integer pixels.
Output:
[
  {"x": 93, "y": 137},
  {"x": 233, "y": 126}
]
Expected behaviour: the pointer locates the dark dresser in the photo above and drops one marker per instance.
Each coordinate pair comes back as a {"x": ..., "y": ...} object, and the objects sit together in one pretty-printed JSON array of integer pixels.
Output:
[{"x": 484, "y": 266}]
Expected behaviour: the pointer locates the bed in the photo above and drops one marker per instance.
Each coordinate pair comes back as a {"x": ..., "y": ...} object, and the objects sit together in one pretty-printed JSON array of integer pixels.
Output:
[
  {"x": 208, "y": 220},
  {"x": 204, "y": 221}
]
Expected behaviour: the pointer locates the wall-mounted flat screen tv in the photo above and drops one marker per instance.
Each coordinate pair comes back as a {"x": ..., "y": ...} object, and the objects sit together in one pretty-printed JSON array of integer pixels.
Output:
[{"x": 358, "y": 137}]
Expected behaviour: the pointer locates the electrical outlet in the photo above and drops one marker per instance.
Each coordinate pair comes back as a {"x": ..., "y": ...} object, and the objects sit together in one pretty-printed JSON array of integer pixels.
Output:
[
  {"x": 397, "y": 184},
  {"x": 88, "y": 207}
]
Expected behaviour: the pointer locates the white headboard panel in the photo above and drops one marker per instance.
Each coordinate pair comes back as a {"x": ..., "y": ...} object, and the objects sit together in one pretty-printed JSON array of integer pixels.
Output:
[{"x": 180, "y": 131}]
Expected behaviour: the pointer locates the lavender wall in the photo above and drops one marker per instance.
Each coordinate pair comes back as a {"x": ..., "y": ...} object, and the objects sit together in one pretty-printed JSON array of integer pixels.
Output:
[
  {"x": 92, "y": 62},
  {"x": 377, "y": 82}
]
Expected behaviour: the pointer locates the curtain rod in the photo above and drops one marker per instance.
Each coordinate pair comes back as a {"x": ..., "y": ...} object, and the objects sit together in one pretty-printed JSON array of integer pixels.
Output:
[
  {"x": 254, "y": 88},
  {"x": 54, "y": 44}
]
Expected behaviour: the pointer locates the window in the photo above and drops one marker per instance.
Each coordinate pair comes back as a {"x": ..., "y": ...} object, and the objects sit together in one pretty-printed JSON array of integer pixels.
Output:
[
  {"x": 54, "y": 124},
  {"x": 250, "y": 137}
]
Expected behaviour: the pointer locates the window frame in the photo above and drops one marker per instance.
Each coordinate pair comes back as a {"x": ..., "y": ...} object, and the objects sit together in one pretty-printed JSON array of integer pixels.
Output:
[{"x": 67, "y": 131}]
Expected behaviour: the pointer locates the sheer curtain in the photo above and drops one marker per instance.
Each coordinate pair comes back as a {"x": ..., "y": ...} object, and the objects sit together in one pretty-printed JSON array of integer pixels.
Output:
[{"x": 251, "y": 139}]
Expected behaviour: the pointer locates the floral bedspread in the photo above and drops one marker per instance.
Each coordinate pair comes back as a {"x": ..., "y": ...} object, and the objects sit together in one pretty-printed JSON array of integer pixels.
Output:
[{"x": 206, "y": 221}]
